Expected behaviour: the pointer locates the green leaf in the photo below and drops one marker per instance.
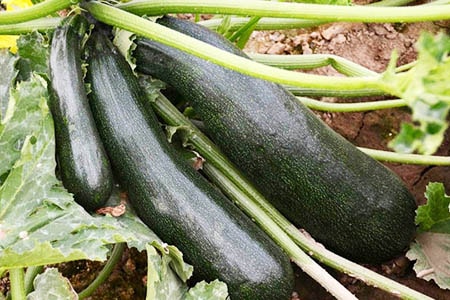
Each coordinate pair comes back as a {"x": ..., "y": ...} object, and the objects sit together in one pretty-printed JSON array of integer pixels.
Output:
[
  {"x": 9, "y": 73},
  {"x": 40, "y": 223},
  {"x": 215, "y": 290},
  {"x": 434, "y": 216},
  {"x": 162, "y": 281},
  {"x": 25, "y": 110},
  {"x": 33, "y": 49},
  {"x": 426, "y": 90},
  {"x": 52, "y": 285},
  {"x": 167, "y": 275},
  {"x": 431, "y": 252}
]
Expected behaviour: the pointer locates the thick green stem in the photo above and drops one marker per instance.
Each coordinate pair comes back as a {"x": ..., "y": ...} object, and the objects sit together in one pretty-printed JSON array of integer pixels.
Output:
[
  {"x": 16, "y": 278},
  {"x": 213, "y": 156},
  {"x": 36, "y": 11},
  {"x": 42, "y": 24},
  {"x": 403, "y": 158},
  {"x": 164, "y": 35},
  {"x": 305, "y": 262},
  {"x": 290, "y": 10},
  {"x": 173, "y": 117},
  {"x": 263, "y": 24},
  {"x": 317, "y": 92},
  {"x": 114, "y": 258},
  {"x": 30, "y": 274},
  {"x": 311, "y": 61},
  {"x": 351, "y": 107}
]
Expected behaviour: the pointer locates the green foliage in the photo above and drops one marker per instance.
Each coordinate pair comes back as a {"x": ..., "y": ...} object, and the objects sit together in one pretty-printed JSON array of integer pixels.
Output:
[
  {"x": 52, "y": 285},
  {"x": 426, "y": 90},
  {"x": 432, "y": 245}
]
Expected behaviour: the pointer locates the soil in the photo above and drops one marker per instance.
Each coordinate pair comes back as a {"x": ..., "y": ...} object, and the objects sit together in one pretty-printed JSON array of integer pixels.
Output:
[{"x": 369, "y": 45}]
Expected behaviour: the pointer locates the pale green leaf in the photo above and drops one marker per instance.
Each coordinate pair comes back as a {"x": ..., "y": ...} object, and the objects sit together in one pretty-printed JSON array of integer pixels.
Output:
[
  {"x": 7, "y": 63},
  {"x": 426, "y": 91},
  {"x": 215, "y": 290},
  {"x": 162, "y": 281},
  {"x": 34, "y": 50},
  {"x": 40, "y": 223},
  {"x": 51, "y": 285},
  {"x": 24, "y": 111},
  {"x": 431, "y": 251}
]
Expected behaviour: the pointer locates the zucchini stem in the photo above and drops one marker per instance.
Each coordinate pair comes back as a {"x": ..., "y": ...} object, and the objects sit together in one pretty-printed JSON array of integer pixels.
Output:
[
  {"x": 320, "y": 12},
  {"x": 114, "y": 258},
  {"x": 30, "y": 274},
  {"x": 36, "y": 11},
  {"x": 16, "y": 278},
  {"x": 122, "y": 19},
  {"x": 41, "y": 24}
]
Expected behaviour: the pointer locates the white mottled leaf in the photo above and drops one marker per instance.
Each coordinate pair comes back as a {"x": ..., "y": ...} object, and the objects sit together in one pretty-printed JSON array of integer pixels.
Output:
[
  {"x": 52, "y": 285},
  {"x": 215, "y": 290},
  {"x": 431, "y": 251}
]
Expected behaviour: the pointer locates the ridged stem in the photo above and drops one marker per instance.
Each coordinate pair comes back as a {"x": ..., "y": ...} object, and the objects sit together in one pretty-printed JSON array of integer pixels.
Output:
[
  {"x": 119, "y": 18},
  {"x": 36, "y": 11},
  {"x": 320, "y": 12},
  {"x": 173, "y": 117},
  {"x": 113, "y": 259},
  {"x": 42, "y": 24},
  {"x": 30, "y": 274},
  {"x": 16, "y": 278},
  {"x": 351, "y": 107}
]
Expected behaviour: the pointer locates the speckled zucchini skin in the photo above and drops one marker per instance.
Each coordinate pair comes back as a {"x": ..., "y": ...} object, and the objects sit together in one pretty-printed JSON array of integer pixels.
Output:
[
  {"x": 175, "y": 201},
  {"x": 84, "y": 167},
  {"x": 346, "y": 200}
]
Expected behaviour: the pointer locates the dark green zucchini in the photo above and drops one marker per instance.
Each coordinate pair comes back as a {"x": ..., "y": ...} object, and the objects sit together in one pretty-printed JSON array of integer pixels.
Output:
[
  {"x": 83, "y": 164},
  {"x": 175, "y": 201},
  {"x": 346, "y": 200}
]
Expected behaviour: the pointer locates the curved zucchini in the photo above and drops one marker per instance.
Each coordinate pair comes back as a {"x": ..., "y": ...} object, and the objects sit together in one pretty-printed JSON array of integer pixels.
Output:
[
  {"x": 84, "y": 167},
  {"x": 346, "y": 200},
  {"x": 170, "y": 196}
]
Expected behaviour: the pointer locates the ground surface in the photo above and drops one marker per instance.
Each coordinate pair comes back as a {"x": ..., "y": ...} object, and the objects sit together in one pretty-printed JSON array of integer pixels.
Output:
[{"x": 369, "y": 45}]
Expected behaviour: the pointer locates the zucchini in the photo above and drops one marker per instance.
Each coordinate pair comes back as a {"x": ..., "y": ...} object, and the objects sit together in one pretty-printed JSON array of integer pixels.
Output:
[
  {"x": 346, "y": 200},
  {"x": 83, "y": 164},
  {"x": 174, "y": 200}
]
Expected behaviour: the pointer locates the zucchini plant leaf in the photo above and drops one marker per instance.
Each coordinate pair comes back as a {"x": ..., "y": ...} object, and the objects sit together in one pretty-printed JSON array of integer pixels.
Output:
[
  {"x": 40, "y": 223},
  {"x": 208, "y": 291},
  {"x": 33, "y": 49},
  {"x": 163, "y": 282},
  {"x": 431, "y": 249},
  {"x": 434, "y": 216},
  {"x": 9, "y": 73},
  {"x": 52, "y": 285},
  {"x": 426, "y": 91}
]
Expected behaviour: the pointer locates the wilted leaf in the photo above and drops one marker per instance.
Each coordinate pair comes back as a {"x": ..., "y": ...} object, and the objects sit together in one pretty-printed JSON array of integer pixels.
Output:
[
  {"x": 52, "y": 285},
  {"x": 432, "y": 254}
]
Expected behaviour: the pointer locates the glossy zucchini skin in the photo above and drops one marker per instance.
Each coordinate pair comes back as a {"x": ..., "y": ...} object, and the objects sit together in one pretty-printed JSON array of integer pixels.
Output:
[
  {"x": 83, "y": 164},
  {"x": 346, "y": 200},
  {"x": 175, "y": 201}
]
